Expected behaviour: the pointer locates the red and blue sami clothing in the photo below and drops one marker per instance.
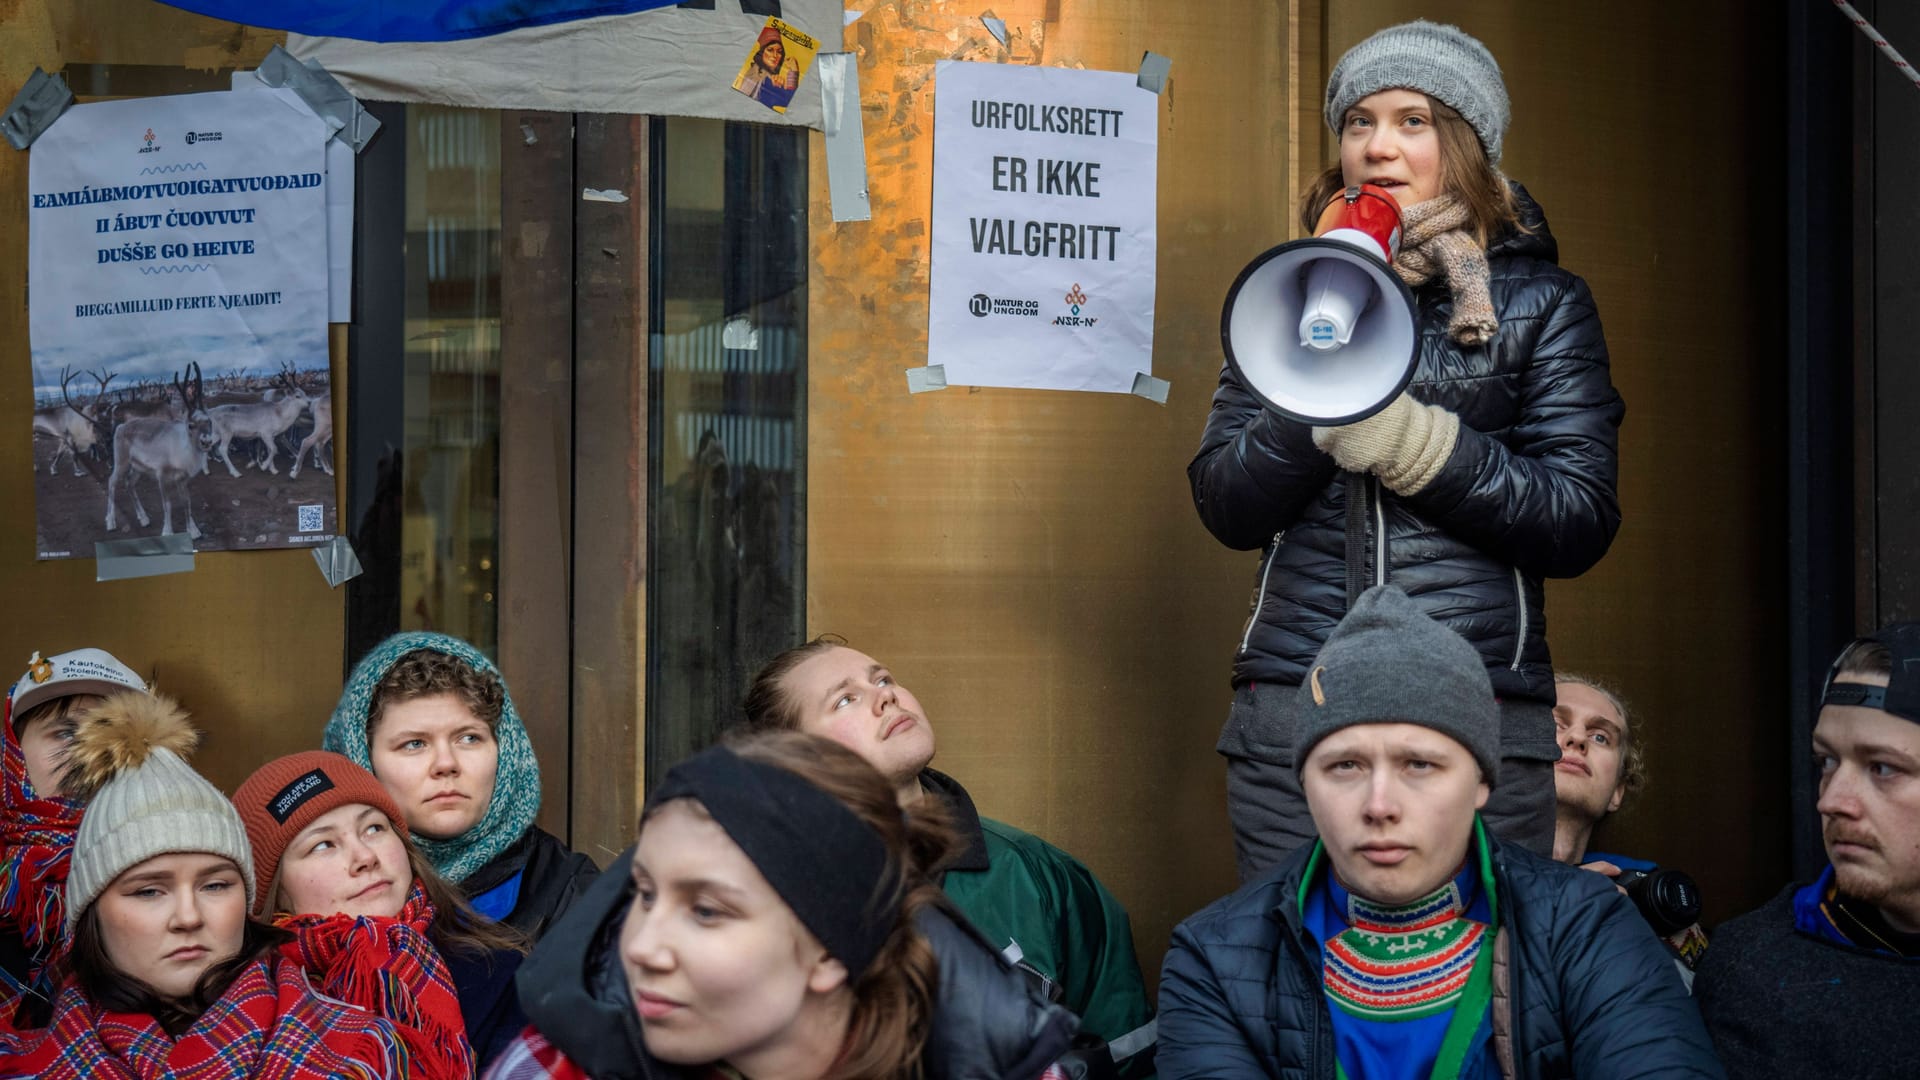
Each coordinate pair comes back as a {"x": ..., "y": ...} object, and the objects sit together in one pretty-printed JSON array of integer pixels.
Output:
[
  {"x": 1408, "y": 987},
  {"x": 36, "y": 848},
  {"x": 269, "y": 1025}
]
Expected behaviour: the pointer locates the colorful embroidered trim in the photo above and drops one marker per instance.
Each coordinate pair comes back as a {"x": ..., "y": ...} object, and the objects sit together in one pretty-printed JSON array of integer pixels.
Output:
[{"x": 1403, "y": 963}]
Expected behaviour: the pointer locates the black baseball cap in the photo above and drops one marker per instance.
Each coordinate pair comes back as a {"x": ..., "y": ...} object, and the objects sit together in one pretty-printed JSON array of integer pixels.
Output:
[{"x": 1901, "y": 695}]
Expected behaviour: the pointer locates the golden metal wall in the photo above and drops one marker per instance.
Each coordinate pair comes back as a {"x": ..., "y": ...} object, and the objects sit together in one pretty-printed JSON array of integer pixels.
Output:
[
  {"x": 250, "y": 641},
  {"x": 1030, "y": 562}
]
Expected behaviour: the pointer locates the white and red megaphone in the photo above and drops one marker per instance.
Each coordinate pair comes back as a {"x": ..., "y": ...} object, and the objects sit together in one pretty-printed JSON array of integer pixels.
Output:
[{"x": 1322, "y": 330}]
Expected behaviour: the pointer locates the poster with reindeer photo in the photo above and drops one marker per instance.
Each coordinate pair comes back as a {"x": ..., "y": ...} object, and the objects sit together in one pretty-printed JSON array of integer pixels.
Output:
[{"x": 177, "y": 285}]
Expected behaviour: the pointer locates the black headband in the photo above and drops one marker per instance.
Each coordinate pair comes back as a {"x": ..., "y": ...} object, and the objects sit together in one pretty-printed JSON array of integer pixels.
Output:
[
  {"x": 1901, "y": 695},
  {"x": 824, "y": 862}
]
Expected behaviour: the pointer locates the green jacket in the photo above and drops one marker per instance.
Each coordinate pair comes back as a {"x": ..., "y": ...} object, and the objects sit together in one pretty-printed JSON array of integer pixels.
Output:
[{"x": 1048, "y": 911}]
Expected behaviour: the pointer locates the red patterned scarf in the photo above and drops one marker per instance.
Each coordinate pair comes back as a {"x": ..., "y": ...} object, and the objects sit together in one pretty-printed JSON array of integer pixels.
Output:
[
  {"x": 389, "y": 968},
  {"x": 36, "y": 843},
  {"x": 269, "y": 1025}
]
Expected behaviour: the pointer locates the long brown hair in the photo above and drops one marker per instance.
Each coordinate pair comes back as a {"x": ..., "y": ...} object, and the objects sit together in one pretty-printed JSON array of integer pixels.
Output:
[
  {"x": 110, "y": 989},
  {"x": 893, "y": 1000},
  {"x": 456, "y": 926},
  {"x": 1465, "y": 174}
]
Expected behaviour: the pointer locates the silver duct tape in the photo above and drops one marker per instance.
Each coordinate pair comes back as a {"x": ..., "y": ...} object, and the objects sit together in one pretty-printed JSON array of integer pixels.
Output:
[
  {"x": 1154, "y": 390},
  {"x": 922, "y": 379},
  {"x": 142, "y": 556},
  {"x": 1153, "y": 72},
  {"x": 338, "y": 563},
  {"x": 34, "y": 109},
  {"x": 323, "y": 94},
  {"x": 845, "y": 135}
]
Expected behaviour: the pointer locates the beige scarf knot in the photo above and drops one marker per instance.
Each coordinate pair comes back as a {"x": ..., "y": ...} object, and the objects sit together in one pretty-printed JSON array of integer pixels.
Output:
[{"x": 1436, "y": 241}]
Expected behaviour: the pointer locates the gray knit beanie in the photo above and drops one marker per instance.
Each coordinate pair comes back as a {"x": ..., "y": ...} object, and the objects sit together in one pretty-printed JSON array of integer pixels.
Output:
[
  {"x": 127, "y": 760},
  {"x": 1443, "y": 62},
  {"x": 1388, "y": 663}
]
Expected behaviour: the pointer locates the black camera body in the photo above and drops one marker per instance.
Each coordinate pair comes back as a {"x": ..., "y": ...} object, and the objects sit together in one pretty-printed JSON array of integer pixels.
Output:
[{"x": 1668, "y": 899}]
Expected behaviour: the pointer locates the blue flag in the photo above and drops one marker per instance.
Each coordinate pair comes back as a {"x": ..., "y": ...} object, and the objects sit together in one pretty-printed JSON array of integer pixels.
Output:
[{"x": 415, "y": 20}]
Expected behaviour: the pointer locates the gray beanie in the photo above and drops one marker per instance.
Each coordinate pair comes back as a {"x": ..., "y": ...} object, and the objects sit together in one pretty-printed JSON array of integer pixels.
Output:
[
  {"x": 127, "y": 761},
  {"x": 1388, "y": 663},
  {"x": 1443, "y": 62}
]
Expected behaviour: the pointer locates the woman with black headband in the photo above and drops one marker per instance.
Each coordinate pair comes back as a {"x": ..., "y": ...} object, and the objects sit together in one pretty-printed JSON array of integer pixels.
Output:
[{"x": 777, "y": 918}]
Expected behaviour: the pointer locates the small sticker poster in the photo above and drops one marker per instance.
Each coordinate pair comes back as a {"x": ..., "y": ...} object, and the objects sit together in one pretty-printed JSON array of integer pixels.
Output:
[{"x": 772, "y": 71}]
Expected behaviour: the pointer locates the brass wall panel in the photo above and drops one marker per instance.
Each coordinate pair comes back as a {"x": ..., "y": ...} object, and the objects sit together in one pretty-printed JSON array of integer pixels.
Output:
[
  {"x": 1029, "y": 561},
  {"x": 1637, "y": 128},
  {"x": 250, "y": 641}
]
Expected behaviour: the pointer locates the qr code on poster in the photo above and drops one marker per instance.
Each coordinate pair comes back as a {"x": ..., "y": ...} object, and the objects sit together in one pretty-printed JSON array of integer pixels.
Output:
[{"x": 313, "y": 518}]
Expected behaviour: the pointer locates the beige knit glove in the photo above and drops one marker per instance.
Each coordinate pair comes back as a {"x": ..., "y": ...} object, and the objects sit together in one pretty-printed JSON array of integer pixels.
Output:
[{"x": 1405, "y": 444}]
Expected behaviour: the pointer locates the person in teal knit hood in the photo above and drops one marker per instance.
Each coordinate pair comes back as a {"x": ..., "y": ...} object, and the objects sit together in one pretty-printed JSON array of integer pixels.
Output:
[{"x": 431, "y": 717}]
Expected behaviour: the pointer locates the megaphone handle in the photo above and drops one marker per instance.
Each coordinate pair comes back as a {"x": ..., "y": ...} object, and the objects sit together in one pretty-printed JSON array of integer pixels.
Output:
[{"x": 1356, "y": 536}]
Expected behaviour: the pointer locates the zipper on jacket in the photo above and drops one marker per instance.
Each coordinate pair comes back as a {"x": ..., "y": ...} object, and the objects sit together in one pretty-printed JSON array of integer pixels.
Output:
[
  {"x": 1380, "y": 533},
  {"x": 1520, "y": 600},
  {"x": 1260, "y": 596}
]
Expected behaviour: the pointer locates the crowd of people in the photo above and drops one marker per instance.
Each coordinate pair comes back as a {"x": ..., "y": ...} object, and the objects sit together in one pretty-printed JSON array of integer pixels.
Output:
[{"x": 1413, "y": 790}]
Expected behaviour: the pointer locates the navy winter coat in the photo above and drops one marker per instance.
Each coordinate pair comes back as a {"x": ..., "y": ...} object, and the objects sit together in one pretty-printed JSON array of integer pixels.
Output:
[
  {"x": 1529, "y": 492},
  {"x": 1582, "y": 988}
]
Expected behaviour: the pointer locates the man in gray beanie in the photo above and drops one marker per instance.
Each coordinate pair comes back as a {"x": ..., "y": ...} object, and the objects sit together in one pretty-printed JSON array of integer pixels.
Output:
[{"x": 1405, "y": 942}]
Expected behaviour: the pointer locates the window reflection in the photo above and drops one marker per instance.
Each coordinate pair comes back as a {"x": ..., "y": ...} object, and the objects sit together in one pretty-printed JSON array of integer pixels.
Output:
[
  {"x": 727, "y": 394},
  {"x": 451, "y": 492}
]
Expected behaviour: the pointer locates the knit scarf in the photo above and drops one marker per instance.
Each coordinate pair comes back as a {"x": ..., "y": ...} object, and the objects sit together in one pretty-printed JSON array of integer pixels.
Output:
[
  {"x": 36, "y": 847},
  {"x": 269, "y": 1025},
  {"x": 389, "y": 968},
  {"x": 516, "y": 782},
  {"x": 1436, "y": 240}
]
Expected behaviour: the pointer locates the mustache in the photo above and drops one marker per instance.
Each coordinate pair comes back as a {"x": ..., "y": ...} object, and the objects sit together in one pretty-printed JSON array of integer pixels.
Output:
[{"x": 1848, "y": 836}]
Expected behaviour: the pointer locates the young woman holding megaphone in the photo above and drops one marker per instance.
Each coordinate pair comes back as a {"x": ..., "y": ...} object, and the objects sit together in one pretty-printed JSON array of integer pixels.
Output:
[{"x": 1486, "y": 462}]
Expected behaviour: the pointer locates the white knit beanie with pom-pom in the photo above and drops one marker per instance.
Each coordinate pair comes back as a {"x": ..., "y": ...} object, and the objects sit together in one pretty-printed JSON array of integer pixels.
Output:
[{"x": 128, "y": 762}]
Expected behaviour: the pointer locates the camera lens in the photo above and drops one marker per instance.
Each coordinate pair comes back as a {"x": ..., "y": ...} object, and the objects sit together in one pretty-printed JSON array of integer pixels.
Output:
[{"x": 1668, "y": 899}]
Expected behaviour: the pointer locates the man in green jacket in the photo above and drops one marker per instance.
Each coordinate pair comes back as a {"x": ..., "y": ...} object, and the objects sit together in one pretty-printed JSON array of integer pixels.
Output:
[{"x": 1043, "y": 907}]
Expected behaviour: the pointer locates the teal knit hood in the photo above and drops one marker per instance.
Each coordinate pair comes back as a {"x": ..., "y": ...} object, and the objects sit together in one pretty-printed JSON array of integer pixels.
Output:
[{"x": 516, "y": 783}]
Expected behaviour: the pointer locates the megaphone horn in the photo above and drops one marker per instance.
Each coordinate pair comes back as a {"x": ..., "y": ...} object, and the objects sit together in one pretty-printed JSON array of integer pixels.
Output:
[{"x": 1322, "y": 330}]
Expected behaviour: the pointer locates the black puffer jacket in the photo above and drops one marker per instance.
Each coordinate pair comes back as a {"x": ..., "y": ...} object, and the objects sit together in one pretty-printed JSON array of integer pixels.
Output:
[
  {"x": 551, "y": 879},
  {"x": 989, "y": 1023},
  {"x": 1529, "y": 492},
  {"x": 1581, "y": 986}
]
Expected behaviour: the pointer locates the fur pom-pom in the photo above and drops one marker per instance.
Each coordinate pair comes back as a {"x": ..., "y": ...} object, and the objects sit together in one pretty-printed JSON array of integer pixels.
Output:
[{"x": 119, "y": 734}]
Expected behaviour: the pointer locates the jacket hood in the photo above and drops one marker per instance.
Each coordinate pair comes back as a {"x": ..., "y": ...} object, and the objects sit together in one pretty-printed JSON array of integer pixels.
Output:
[
  {"x": 989, "y": 1024},
  {"x": 1537, "y": 243},
  {"x": 516, "y": 782},
  {"x": 574, "y": 990}
]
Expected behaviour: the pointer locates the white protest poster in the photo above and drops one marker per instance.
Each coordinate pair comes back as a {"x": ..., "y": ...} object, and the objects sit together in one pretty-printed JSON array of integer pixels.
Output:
[
  {"x": 340, "y": 181},
  {"x": 177, "y": 284},
  {"x": 1043, "y": 227}
]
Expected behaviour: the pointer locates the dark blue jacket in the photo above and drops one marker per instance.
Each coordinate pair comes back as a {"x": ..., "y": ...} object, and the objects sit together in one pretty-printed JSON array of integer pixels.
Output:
[
  {"x": 1529, "y": 493},
  {"x": 1580, "y": 987}
]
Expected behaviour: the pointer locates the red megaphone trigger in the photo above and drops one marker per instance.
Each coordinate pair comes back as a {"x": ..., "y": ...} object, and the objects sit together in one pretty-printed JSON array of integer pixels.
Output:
[{"x": 1367, "y": 210}]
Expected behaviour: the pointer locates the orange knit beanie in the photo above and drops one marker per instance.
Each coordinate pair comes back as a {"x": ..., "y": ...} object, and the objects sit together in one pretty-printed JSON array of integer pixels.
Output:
[{"x": 285, "y": 795}]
